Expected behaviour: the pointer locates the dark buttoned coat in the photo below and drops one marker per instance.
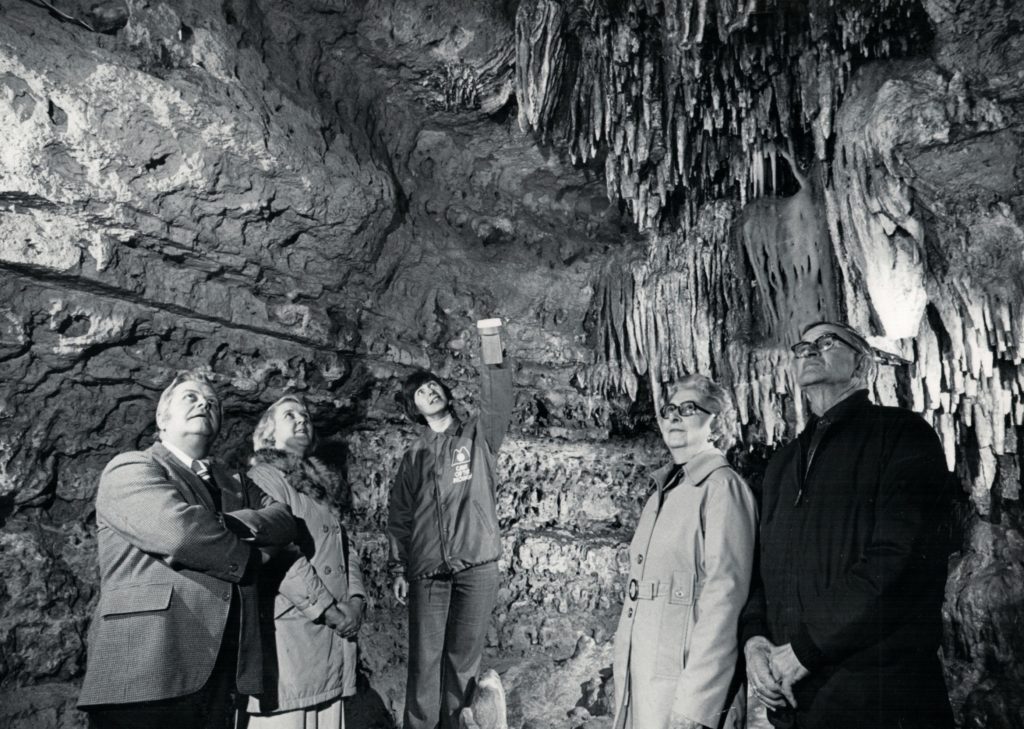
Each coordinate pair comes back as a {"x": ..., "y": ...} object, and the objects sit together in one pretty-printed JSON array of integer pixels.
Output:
[
  {"x": 854, "y": 544},
  {"x": 168, "y": 568}
]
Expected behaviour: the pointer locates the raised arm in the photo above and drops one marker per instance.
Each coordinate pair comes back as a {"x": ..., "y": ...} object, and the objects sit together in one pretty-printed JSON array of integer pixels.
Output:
[
  {"x": 137, "y": 500},
  {"x": 495, "y": 402},
  {"x": 730, "y": 519}
]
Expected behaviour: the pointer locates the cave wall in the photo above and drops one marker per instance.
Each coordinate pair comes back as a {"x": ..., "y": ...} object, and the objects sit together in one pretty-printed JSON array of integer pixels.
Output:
[{"x": 322, "y": 195}]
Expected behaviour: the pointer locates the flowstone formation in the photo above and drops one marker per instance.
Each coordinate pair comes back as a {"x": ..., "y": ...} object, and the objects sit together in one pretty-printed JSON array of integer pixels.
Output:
[{"x": 323, "y": 195}]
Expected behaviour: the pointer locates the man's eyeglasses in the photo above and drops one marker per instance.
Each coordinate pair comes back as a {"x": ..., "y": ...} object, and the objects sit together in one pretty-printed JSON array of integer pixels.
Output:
[
  {"x": 683, "y": 409},
  {"x": 822, "y": 344}
]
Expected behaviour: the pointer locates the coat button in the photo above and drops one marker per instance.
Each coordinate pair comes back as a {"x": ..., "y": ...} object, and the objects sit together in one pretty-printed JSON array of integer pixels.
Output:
[
  {"x": 226, "y": 596},
  {"x": 326, "y": 529},
  {"x": 679, "y": 593},
  {"x": 327, "y": 570},
  {"x": 629, "y": 613},
  {"x": 233, "y": 566},
  {"x": 639, "y": 559}
]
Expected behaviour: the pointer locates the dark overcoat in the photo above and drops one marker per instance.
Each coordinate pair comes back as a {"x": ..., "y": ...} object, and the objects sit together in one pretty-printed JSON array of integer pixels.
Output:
[{"x": 853, "y": 549}]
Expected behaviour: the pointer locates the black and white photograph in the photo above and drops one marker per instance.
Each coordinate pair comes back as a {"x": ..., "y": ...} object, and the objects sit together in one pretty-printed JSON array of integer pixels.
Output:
[{"x": 511, "y": 364}]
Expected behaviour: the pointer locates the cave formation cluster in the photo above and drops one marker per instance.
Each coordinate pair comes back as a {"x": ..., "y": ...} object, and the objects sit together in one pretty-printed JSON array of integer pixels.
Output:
[{"x": 322, "y": 195}]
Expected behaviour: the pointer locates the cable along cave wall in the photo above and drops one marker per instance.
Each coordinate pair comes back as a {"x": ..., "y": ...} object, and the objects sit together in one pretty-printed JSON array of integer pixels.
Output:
[{"x": 323, "y": 195}]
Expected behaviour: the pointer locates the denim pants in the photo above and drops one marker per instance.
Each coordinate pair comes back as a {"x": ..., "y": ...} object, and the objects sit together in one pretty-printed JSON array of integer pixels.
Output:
[{"x": 448, "y": 621}]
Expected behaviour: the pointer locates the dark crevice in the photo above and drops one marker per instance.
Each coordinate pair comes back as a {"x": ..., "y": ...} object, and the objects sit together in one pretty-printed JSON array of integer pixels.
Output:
[{"x": 157, "y": 162}]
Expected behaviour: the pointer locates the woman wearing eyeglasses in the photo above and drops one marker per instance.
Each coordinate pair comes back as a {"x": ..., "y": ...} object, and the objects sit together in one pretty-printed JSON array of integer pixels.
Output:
[{"x": 690, "y": 561}]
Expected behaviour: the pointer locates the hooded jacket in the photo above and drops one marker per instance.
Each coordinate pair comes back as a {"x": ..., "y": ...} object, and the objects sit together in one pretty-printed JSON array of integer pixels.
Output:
[{"x": 442, "y": 515}]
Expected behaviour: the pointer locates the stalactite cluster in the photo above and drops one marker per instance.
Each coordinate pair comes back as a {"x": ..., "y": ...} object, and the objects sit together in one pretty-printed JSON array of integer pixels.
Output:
[
  {"x": 693, "y": 303},
  {"x": 786, "y": 244},
  {"x": 686, "y": 307},
  {"x": 691, "y": 99},
  {"x": 957, "y": 313},
  {"x": 461, "y": 87}
]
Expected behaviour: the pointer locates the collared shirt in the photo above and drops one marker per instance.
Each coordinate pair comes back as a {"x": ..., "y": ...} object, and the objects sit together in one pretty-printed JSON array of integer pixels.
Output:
[
  {"x": 185, "y": 458},
  {"x": 208, "y": 479}
]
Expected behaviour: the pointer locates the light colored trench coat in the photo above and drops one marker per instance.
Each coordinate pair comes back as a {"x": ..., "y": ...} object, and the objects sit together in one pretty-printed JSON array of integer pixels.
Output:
[
  {"x": 690, "y": 566},
  {"x": 307, "y": 663}
]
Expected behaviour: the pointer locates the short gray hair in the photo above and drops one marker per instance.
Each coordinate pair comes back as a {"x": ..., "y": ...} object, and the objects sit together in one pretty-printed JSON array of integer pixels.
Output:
[
  {"x": 867, "y": 355},
  {"x": 723, "y": 426},
  {"x": 203, "y": 377}
]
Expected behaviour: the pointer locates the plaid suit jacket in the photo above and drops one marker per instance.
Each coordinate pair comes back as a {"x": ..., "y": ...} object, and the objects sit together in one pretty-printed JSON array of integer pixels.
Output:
[{"x": 168, "y": 568}]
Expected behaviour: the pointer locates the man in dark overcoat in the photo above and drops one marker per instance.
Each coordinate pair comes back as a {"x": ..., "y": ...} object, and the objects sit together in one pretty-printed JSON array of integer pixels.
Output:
[
  {"x": 843, "y": 625},
  {"x": 175, "y": 635}
]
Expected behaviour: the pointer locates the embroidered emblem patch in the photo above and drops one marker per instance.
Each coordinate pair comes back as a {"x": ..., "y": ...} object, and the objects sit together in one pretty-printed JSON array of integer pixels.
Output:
[{"x": 460, "y": 466}]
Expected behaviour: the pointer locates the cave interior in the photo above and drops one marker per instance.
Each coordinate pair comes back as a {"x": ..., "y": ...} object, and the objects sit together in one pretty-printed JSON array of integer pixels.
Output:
[{"x": 320, "y": 196}]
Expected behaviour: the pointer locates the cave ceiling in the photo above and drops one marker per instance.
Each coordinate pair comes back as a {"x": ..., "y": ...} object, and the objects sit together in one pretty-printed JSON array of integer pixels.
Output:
[
  {"x": 345, "y": 187},
  {"x": 320, "y": 195}
]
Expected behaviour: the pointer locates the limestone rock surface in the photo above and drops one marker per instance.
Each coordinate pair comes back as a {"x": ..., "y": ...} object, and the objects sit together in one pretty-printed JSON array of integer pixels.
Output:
[{"x": 319, "y": 196}]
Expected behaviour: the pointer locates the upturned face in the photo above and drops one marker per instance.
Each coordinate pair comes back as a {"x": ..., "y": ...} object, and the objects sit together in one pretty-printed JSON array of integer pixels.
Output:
[
  {"x": 831, "y": 362},
  {"x": 430, "y": 398},
  {"x": 192, "y": 409},
  {"x": 683, "y": 424},
  {"x": 293, "y": 430}
]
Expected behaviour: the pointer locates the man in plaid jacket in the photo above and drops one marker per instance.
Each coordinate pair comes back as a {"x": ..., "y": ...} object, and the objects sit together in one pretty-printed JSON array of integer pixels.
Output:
[{"x": 175, "y": 635}]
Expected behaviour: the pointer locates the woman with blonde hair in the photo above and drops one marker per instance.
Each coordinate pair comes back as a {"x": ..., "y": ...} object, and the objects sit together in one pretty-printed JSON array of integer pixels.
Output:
[
  {"x": 690, "y": 561},
  {"x": 313, "y": 590}
]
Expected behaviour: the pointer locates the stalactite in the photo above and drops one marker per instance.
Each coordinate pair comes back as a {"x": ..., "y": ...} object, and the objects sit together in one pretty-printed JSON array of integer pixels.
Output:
[
  {"x": 539, "y": 61},
  {"x": 685, "y": 307},
  {"x": 682, "y": 107},
  {"x": 789, "y": 253},
  {"x": 960, "y": 322},
  {"x": 461, "y": 87}
]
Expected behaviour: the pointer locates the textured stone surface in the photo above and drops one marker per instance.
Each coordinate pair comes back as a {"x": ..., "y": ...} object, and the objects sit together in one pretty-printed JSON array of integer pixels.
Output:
[{"x": 321, "y": 195}]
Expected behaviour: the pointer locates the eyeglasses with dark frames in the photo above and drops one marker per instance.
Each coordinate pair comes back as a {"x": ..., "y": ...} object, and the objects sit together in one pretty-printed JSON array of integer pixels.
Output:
[
  {"x": 823, "y": 343},
  {"x": 684, "y": 409}
]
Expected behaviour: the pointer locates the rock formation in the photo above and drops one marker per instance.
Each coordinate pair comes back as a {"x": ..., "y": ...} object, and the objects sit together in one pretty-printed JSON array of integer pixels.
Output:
[{"x": 321, "y": 195}]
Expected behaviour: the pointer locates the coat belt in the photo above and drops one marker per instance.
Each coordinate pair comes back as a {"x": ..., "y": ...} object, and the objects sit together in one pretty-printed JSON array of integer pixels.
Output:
[
  {"x": 647, "y": 589},
  {"x": 651, "y": 589}
]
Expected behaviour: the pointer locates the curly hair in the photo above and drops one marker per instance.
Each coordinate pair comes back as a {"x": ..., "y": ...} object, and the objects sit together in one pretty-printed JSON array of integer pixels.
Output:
[
  {"x": 263, "y": 435},
  {"x": 713, "y": 396}
]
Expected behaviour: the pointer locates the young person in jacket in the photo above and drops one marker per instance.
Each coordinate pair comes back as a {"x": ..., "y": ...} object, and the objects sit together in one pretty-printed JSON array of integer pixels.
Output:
[
  {"x": 312, "y": 592},
  {"x": 843, "y": 625},
  {"x": 444, "y": 540},
  {"x": 676, "y": 651},
  {"x": 176, "y": 630}
]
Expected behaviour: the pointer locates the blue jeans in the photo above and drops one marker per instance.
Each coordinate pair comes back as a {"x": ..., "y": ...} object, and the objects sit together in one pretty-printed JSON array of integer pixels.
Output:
[{"x": 448, "y": 621}]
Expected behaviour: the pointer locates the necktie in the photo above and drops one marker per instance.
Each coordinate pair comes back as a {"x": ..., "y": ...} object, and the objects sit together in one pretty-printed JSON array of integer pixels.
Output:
[{"x": 202, "y": 469}]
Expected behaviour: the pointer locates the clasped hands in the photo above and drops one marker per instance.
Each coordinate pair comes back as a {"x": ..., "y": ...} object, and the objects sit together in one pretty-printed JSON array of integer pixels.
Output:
[
  {"x": 772, "y": 671},
  {"x": 345, "y": 618}
]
